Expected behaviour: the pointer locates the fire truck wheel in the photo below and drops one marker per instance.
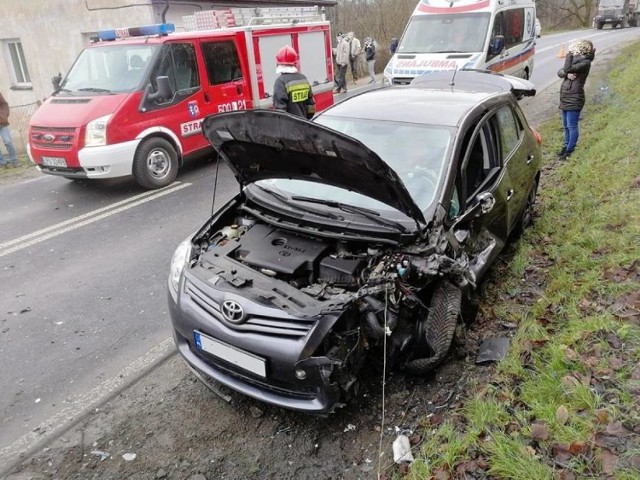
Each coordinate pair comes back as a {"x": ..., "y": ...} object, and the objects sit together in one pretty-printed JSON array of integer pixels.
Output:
[{"x": 155, "y": 164}]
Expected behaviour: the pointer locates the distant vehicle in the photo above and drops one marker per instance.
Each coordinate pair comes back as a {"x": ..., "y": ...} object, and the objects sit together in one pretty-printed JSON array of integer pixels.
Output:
[
  {"x": 133, "y": 103},
  {"x": 367, "y": 228},
  {"x": 450, "y": 35},
  {"x": 538, "y": 28},
  {"x": 623, "y": 13}
]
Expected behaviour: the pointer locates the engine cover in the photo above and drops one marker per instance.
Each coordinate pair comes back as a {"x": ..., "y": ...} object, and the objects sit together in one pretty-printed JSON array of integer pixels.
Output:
[{"x": 269, "y": 248}]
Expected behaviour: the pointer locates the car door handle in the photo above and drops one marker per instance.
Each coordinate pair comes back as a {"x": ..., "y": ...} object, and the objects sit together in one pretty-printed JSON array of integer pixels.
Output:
[
  {"x": 239, "y": 89},
  {"x": 207, "y": 98},
  {"x": 509, "y": 194},
  {"x": 530, "y": 159}
]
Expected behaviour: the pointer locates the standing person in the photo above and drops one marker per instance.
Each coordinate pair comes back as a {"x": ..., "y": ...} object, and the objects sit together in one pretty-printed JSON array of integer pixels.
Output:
[
  {"x": 574, "y": 73},
  {"x": 354, "y": 53},
  {"x": 6, "y": 135},
  {"x": 393, "y": 46},
  {"x": 292, "y": 91},
  {"x": 342, "y": 61},
  {"x": 370, "y": 53}
]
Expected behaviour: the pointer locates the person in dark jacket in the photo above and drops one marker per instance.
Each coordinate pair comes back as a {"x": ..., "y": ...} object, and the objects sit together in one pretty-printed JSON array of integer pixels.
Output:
[
  {"x": 370, "y": 55},
  {"x": 574, "y": 73},
  {"x": 292, "y": 91}
]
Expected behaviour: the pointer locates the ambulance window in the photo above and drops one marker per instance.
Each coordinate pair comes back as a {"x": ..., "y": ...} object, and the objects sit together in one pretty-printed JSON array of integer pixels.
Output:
[
  {"x": 498, "y": 29},
  {"x": 222, "y": 62},
  {"x": 514, "y": 26}
]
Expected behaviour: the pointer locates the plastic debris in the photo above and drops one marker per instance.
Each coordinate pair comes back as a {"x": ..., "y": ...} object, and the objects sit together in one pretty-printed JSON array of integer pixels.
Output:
[
  {"x": 350, "y": 427},
  {"x": 100, "y": 453},
  {"x": 129, "y": 456},
  {"x": 493, "y": 350},
  {"x": 402, "y": 450}
]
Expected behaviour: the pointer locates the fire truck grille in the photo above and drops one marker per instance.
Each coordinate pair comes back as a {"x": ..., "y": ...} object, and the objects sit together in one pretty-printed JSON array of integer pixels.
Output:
[{"x": 52, "y": 138}]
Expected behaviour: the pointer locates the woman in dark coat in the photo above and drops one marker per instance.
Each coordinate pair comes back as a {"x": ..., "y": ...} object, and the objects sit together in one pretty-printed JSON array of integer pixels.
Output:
[{"x": 577, "y": 64}]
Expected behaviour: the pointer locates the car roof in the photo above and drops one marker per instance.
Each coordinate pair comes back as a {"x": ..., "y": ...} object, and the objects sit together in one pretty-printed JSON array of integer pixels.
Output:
[
  {"x": 413, "y": 104},
  {"x": 440, "y": 98}
]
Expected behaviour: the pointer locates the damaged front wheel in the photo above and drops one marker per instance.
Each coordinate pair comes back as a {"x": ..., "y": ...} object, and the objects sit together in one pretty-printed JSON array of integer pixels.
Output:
[{"x": 437, "y": 330}]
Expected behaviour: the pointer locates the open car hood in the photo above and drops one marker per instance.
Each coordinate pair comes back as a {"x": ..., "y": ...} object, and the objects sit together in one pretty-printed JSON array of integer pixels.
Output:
[
  {"x": 261, "y": 144},
  {"x": 477, "y": 80}
]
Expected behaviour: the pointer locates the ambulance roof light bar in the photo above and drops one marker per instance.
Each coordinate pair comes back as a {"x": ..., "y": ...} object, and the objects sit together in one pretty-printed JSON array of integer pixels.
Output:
[{"x": 141, "y": 31}]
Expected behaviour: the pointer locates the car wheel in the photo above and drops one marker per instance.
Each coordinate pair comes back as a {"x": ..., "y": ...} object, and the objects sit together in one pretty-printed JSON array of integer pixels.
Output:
[
  {"x": 526, "y": 218},
  {"x": 438, "y": 329},
  {"x": 155, "y": 164},
  {"x": 599, "y": 25}
]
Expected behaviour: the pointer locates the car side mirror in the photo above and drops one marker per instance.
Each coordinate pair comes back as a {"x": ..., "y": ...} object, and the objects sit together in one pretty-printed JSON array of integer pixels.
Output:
[
  {"x": 498, "y": 44},
  {"x": 163, "y": 92},
  {"x": 459, "y": 233},
  {"x": 56, "y": 81}
]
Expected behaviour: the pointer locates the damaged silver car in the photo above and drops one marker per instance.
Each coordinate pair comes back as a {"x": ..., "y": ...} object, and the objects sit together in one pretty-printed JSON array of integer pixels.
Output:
[{"x": 356, "y": 236}]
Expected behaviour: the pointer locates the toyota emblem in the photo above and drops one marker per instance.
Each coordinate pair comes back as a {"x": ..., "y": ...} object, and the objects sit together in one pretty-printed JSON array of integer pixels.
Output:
[
  {"x": 232, "y": 311},
  {"x": 49, "y": 137}
]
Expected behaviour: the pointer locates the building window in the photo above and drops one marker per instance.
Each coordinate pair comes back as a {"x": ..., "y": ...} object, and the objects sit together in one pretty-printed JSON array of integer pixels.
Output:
[{"x": 17, "y": 64}]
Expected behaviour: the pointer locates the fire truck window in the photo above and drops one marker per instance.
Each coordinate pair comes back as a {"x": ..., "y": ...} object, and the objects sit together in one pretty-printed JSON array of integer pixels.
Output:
[
  {"x": 178, "y": 62},
  {"x": 222, "y": 62}
]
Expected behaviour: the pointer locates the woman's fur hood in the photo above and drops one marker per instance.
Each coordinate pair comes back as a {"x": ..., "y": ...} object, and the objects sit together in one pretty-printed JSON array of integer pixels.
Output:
[{"x": 581, "y": 47}]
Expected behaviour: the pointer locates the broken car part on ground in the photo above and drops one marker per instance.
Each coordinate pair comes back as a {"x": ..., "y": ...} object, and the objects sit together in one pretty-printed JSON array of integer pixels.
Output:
[{"x": 356, "y": 237}]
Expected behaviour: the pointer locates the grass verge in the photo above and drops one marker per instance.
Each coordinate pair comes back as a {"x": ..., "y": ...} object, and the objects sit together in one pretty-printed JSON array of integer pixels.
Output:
[{"x": 565, "y": 403}]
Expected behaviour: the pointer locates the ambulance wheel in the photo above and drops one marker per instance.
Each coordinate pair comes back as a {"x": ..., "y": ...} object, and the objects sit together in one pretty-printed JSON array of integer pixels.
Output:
[{"x": 155, "y": 164}]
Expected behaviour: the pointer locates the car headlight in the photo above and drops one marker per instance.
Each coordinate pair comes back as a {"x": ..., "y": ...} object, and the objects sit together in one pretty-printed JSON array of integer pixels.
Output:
[
  {"x": 178, "y": 262},
  {"x": 96, "y": 134}
]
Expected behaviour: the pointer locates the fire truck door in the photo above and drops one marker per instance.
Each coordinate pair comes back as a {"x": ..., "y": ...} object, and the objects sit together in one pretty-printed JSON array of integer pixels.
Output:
[{"x": 227, "y": 86}]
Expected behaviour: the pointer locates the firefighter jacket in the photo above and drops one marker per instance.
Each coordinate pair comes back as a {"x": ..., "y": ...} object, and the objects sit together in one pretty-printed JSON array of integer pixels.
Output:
[{"x": 292, "y": 93}]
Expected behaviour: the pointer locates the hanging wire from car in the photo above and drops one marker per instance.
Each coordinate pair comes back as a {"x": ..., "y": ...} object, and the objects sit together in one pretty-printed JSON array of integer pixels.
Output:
[
  {"x": 215, "y": 185},
  {"x": 384, "y": 375}
]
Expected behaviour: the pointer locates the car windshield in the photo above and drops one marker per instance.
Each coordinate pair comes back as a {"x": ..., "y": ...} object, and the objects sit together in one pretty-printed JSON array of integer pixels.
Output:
[
  {"x": 111, "y": 69},
  {"x": 445, "y": 33},
  {"x": 416, "y": 152}
]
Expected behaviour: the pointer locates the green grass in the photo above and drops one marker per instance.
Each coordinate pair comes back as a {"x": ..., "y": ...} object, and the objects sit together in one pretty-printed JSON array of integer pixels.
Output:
[{"x": 588, "y": 227}]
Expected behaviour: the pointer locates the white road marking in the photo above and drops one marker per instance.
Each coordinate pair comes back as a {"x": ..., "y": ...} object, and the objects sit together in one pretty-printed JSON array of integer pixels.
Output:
[
  {"x": 82, "y": 403},
  {"x": 84, "y": 219}
]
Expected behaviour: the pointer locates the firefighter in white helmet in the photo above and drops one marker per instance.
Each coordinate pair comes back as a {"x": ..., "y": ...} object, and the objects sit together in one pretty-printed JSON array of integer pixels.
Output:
[{"x": 292, "y": 91}]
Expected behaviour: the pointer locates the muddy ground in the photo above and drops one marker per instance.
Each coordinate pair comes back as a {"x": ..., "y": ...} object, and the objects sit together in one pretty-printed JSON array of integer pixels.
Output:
[{"x": 169, "y": 425}]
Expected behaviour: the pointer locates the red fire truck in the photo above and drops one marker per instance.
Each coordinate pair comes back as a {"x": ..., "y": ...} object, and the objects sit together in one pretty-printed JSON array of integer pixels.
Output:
[{"x": 133, "y": 102}]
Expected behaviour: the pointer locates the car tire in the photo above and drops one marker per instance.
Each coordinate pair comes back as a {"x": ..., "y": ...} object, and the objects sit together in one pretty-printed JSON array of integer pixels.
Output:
[
  {"x": 155, "y": 164},
  {"x": 439, "y": 328},
  {"x": 599, "y": 25},
  {"x": 526, "y": 217}
]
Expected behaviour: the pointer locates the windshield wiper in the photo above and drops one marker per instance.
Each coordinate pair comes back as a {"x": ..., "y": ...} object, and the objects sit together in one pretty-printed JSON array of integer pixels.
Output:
[
  {"x": 94, "y": 89},
  {"x": 285, "y": 199},
  {"x": 365, "y": 212}
]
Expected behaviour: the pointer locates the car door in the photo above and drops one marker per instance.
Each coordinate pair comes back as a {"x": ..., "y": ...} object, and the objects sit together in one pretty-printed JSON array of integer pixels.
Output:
[
  {"x": 180, "y": 114},
  {"x": 478, "y": 207},
  {"x": 517, "y": 160},
  {"x": 227, "y": 84}
]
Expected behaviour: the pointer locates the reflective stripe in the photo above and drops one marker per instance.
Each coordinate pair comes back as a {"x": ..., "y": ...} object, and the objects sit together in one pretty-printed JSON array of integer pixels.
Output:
[{"x": 298, "y": 90}]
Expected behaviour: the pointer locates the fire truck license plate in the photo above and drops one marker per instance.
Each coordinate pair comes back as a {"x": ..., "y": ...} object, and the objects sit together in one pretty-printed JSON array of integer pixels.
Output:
[{"x": 54, "y": 162}]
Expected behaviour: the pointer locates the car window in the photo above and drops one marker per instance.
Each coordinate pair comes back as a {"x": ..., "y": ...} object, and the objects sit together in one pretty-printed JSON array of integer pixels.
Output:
[
  {"x": 510, "y": 130},
  {"x": 222, "y": 62},
  {"x": 481, "y": 162},
  {"x": 416, "y": 152}
]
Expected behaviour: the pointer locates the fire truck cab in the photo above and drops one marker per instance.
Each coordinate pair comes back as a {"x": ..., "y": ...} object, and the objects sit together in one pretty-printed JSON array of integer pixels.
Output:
[{"x": 133, "y": 103}]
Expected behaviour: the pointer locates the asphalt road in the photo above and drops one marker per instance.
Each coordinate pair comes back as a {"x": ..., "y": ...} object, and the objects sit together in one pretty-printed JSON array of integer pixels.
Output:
[{"x": 83, "y": 268}]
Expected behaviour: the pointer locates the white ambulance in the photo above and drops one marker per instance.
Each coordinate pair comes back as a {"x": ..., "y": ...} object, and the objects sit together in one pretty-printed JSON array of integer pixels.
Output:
[{"x": 497, "y": 35}]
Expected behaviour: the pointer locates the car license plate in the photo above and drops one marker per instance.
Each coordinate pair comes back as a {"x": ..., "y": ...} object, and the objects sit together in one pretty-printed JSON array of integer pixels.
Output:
[
  {"x": 230, "y": 354},
  {"x": 54, "y": 162}
]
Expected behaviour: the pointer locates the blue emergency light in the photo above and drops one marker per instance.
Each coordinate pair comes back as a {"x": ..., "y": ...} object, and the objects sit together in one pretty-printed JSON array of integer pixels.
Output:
[{"x": 142, "y": 31}]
